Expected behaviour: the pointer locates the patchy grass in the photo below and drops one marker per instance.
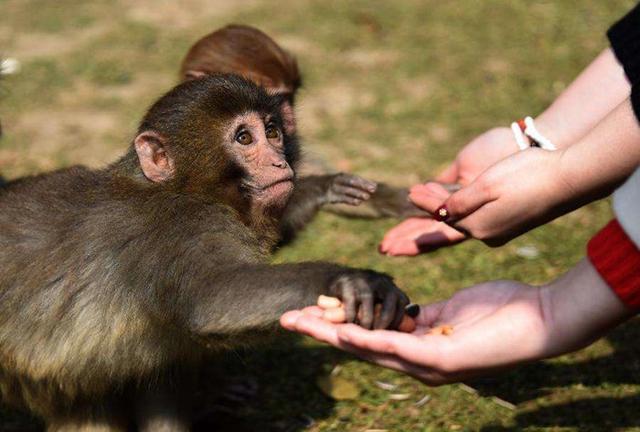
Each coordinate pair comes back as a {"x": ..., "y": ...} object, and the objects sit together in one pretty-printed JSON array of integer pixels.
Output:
[{"x": 384, "y": 81}]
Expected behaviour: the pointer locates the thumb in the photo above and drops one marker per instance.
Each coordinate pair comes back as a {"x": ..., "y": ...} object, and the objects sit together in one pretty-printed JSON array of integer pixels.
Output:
[{"x": 466, "y": 201}]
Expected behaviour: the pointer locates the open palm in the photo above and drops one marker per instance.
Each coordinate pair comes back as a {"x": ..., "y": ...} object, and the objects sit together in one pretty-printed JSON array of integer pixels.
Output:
[{"x": 495, "y": 325}]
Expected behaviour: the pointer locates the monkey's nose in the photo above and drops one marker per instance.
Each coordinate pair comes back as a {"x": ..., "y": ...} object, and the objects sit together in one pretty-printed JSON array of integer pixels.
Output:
[{"x": 280, "y": 164}]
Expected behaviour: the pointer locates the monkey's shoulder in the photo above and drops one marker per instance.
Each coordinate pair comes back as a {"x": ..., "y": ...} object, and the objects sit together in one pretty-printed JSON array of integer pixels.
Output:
[
  {"x": 210, "y": 229},
  {"x": 72, "y": 184}
]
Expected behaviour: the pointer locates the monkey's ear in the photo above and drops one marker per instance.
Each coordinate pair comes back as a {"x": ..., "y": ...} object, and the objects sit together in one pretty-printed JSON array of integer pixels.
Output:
[
  {"x": 194, "y": 74},
  {"x": 156, "y": 164}
]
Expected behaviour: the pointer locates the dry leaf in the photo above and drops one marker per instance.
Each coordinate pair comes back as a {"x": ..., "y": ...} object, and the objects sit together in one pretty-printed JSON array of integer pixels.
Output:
[{"x": 338, "y": 388}]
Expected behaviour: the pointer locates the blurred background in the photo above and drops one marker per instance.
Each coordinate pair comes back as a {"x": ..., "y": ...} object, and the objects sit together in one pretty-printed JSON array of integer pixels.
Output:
[{"x": 392, "y": 90}]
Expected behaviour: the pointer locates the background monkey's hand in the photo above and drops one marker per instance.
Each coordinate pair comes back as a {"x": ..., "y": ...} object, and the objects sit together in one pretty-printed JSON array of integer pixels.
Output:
[
  {"x": 348, "y": 189},
  {"x": 361, "y": 290}
]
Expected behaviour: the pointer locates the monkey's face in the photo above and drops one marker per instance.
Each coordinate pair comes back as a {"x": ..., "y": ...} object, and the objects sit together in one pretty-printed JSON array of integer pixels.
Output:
[
  {"x": 221, "y": 136},
  {"x": 255, "y": 143}
]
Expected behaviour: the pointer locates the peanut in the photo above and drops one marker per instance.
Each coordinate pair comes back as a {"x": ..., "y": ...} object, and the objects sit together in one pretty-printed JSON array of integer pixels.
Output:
[
  {"x": 335, "y": 315},
  {"x": 444, "y": 330},
  {"x": 407, "y": 325},
  {"x": 326, "y": 302}
]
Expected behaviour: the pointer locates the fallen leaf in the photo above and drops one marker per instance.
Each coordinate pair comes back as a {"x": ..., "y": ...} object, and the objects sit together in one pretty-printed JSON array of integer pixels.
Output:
[{"x": 338, "y": 388}]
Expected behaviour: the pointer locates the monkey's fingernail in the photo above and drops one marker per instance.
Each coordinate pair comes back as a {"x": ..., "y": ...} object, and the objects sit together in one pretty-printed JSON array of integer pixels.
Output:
[
  {"x": 413, "y": 310},
  {"x": 326, "y": 302}
]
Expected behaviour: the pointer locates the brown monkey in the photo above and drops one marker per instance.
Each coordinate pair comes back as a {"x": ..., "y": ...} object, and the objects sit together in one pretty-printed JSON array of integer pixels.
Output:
[
  {"x": 249, "y": 52},
  {"x": 115, "y": 283}
]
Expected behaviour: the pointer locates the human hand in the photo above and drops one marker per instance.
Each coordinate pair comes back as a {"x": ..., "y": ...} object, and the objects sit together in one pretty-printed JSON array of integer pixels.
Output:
[
  {"x": 513, "y": 196},
  {"x": 495, "y": 325},
  {"x": 422, "y": 234},
  {"x": 478, "y": 155},
  {"x": 418, "y": 235}
]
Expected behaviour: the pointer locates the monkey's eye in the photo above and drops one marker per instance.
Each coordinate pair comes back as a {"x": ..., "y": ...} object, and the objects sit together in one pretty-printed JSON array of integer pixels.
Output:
[
  {"x": 244, "y": 138},
  {"x": 272, "y": 132}
]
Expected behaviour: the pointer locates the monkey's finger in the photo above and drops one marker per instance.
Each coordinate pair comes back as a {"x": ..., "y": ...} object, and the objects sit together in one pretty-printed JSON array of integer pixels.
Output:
[
  {"x": 388, "y": 311},
  {"x": 404, "y": 299},
  {"x": 357, "y": 182},
  {"x": 348, "y": 191},
  {"x": 349, "y": 301},
  {"x": 366, "y": 312},
  {"x": 398, "y": 316}
]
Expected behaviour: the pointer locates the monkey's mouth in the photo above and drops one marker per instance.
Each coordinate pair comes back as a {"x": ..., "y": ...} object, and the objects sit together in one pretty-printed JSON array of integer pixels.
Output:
[
  {"x": 286, "y": 181},
  {"x": 275, "y": 191},
  {"x": 278, "y": 190}
]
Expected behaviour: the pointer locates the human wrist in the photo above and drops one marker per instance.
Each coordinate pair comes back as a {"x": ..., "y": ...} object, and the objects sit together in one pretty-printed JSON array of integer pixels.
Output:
[
  {"x": 555, "y": 128},
  {"x": 580, "y": 308}
]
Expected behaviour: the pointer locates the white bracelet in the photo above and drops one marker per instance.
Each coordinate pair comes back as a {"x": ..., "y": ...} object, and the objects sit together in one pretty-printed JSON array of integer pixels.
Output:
[
  {"x": 520, "y": 137},
  {"x": 527, "y": 135}
]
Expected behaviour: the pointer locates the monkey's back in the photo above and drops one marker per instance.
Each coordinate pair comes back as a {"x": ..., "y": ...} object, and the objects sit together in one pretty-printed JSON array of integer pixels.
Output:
[{"x": 74, "y": 318}]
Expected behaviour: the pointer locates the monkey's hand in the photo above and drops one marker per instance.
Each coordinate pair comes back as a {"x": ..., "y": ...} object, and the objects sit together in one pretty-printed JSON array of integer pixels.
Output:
[
  {"x": 361, "y": 290},
  {"x": 348, "y": 189}
]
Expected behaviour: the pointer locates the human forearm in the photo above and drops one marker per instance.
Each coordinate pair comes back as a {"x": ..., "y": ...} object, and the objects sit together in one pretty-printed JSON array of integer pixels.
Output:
[
  {"x": 604, "y": 158},
  {"x": 579, "y": 307},
  {"x": 599, "y": 89}
]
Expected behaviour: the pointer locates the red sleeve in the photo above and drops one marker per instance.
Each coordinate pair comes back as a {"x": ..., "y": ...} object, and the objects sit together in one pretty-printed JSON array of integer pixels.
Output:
[{"x": 617, "y": 259}]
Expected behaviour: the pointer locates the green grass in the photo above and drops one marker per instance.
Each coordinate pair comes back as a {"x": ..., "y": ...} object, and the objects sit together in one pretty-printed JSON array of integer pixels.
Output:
[{"x": 392, "y": 91}]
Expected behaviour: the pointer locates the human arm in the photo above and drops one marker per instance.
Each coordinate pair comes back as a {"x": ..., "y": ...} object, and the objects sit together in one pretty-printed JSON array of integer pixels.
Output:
[
  {"x": 598, "y": 89},
  {"x": 496, "y": 325},
  {"x": 535, "y": 186}
]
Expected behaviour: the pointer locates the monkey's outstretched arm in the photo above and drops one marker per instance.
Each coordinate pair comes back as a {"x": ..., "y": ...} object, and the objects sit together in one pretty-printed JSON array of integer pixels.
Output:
[
  {"x": 252, "y": 297},
  {"x": 314, "y": 192}
]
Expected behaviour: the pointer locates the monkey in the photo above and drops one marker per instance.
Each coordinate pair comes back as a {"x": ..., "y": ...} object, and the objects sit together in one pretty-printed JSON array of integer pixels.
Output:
[
  {"x": 116, "y": 283},
  {"x": 249, "y": 52}
]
